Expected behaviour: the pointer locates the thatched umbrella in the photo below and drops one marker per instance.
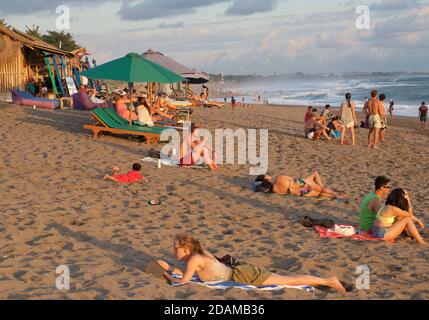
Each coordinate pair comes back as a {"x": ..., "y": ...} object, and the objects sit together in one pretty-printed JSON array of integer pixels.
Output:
[{"x": 192, "y": 77}]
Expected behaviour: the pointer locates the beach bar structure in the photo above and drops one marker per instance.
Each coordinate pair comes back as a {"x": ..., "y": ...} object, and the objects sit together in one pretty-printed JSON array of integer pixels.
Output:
[{"x": 23, "y": 57}]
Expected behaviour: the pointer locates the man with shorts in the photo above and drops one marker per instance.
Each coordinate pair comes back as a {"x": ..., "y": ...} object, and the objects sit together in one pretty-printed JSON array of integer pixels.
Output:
[
  {"x": 423, "y": 114},
  {"x": 376, "y": 113}
]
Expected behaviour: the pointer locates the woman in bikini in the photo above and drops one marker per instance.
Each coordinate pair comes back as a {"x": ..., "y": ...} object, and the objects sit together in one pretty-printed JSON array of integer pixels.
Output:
[
  {"x": 310, "y": 186},
  {"x": 209, "y": 269},
  {"x": 194, "y": 148},
  {"x": 397, "y": 216}
]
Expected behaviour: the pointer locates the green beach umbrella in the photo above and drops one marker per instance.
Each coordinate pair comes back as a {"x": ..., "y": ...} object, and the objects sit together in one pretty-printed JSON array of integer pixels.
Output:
[{"x": 133, "y": 68}]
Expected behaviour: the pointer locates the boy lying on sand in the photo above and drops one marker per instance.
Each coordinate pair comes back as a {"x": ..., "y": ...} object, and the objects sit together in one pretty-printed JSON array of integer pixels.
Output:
[
  {"x": 310, "y": 186},
  {"x": 132, "y": 176}
]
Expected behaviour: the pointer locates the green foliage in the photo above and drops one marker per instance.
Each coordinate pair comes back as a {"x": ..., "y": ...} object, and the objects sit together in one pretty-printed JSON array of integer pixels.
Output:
[
  {"x": 56, "y": 38},
  {"x": 34, "y": 31},
  {"x": 61, "y": 40}
]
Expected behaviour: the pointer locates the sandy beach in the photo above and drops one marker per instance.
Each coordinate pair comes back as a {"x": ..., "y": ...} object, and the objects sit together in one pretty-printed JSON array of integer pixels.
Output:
[{"x": 55, "y": 209}]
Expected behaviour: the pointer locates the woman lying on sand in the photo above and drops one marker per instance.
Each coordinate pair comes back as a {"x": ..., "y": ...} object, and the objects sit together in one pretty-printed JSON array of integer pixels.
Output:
[
  {"x": 132, "y": 176},
  {"x": 209, "y": 269},
  {"x": 311, "y": 186},
  {"x": 396, "y": 216},
  {"x": 193, "y": 149}
]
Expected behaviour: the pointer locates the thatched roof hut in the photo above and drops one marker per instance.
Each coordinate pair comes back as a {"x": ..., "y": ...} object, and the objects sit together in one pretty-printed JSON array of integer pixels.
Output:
[{"x": 22, "y": 57}]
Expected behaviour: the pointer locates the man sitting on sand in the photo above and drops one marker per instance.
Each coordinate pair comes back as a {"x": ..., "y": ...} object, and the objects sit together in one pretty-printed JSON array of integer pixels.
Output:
[
  {"x": 310, "y": 186},
  {"x": 372, "y": 202},
  {"x": 132, "y": 176},
  {"x": 327, "y": 112},
  {"x": 315, "y": 127}
]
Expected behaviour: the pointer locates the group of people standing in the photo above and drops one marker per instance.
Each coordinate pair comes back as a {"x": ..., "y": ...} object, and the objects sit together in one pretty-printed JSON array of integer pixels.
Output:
[{"x": 326, "y": 124}]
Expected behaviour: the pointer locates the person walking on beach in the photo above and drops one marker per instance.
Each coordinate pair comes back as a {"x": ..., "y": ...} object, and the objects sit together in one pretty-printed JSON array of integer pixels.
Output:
[
  {"x": 372, "y": 203},
  {"x": 392, "y": 103},
  {"x": 209, "y": 269},
  {"x": 382, "y": 98},
  {"x": 233, "y": 103},
  {"x": 375, "y": 111},
  {"x": 348, "y": 118},
  {"x": 423, "y": 114}
]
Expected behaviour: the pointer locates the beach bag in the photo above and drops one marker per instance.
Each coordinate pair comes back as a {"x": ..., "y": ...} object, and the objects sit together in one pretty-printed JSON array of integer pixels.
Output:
[
  {"x": 344, "y": 230},
  {"x": 229, "y": 261}
]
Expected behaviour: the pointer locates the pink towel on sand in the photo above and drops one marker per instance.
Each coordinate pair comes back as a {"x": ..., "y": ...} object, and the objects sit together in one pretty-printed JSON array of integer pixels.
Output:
[{"x": 363, "y": 236}]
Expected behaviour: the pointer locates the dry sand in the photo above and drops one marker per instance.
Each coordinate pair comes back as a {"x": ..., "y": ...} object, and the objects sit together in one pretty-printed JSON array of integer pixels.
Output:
[{"x": 56, "y": 210}]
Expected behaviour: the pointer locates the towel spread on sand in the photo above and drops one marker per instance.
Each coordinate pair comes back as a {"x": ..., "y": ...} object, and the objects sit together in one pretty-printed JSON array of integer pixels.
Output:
[
  {"x": 328, "y": 233},
  {"x": 229, "y": 284},
  {"x": 169, "y": 163}
]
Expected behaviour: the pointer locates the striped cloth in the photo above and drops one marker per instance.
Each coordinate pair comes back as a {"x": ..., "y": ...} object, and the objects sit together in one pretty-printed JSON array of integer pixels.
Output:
[{"x": 229, "y": 284}]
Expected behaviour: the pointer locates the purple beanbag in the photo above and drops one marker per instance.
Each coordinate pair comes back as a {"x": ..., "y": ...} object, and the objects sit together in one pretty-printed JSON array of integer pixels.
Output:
[
  {"x": 23, "y": 98},
  {"x": 81, "y": 101}
]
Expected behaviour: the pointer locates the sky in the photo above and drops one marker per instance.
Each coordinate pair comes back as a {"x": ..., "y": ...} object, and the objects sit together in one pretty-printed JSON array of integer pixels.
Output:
[{"x": 245, "y": 36}]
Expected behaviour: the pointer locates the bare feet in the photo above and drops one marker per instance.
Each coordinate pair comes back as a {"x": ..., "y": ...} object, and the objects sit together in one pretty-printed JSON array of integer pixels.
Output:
[{"x": 334, "y": 283}]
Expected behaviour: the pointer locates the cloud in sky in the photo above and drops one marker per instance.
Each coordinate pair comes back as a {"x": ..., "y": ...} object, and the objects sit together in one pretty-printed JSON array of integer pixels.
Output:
[
  {"x": 248, "y": 7},
  {"x": 151, "y": 9},
  {"x": 23, "y": 7},
  {"x": 225, "y": 35}
]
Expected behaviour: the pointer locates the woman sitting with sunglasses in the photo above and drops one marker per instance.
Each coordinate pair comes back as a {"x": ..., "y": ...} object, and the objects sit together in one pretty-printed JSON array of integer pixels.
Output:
[
  {"x": 397, "y": 216},
  {"x": 209, "y": 269}
]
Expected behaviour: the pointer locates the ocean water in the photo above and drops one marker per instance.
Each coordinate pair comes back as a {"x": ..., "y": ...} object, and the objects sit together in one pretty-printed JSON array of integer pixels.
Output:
[{"x": 407, "y": 91}]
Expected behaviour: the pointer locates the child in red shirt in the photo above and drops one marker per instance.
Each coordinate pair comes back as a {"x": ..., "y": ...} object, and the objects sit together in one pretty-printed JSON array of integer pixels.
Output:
[{"x": 132, "y": 176}]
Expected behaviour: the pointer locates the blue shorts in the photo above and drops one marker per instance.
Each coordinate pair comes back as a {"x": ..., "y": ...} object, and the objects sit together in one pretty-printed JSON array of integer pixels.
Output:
[{"x": 379, "y": 232}]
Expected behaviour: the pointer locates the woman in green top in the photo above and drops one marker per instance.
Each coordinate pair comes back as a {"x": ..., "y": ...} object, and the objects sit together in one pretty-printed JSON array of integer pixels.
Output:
[{"x": 396, "y": 217}]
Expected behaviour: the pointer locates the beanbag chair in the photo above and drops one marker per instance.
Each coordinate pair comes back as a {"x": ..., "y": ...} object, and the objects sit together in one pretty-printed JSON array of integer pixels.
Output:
[
  {"x": 23, "y": 98},
  {"x": 81, "y": 101}
]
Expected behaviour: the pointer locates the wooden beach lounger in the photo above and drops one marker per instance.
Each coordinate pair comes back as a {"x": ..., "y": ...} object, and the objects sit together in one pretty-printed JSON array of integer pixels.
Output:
[{"x": 108, "y": 121}]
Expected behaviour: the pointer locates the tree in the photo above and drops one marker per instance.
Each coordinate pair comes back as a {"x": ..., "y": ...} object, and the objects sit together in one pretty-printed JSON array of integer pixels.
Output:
[
  {"x": 34, "y": 31},
  {"x": 57, "y": 39},
  {"x": 3, "y": 23}
]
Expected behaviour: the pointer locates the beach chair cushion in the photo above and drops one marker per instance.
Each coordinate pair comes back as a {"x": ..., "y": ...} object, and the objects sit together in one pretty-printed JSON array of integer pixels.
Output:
[{"x": 110, "y": 118}]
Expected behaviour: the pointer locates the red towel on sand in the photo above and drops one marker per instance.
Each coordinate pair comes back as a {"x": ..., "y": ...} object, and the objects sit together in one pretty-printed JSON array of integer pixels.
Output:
[{"x": 324, "y": 233}]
